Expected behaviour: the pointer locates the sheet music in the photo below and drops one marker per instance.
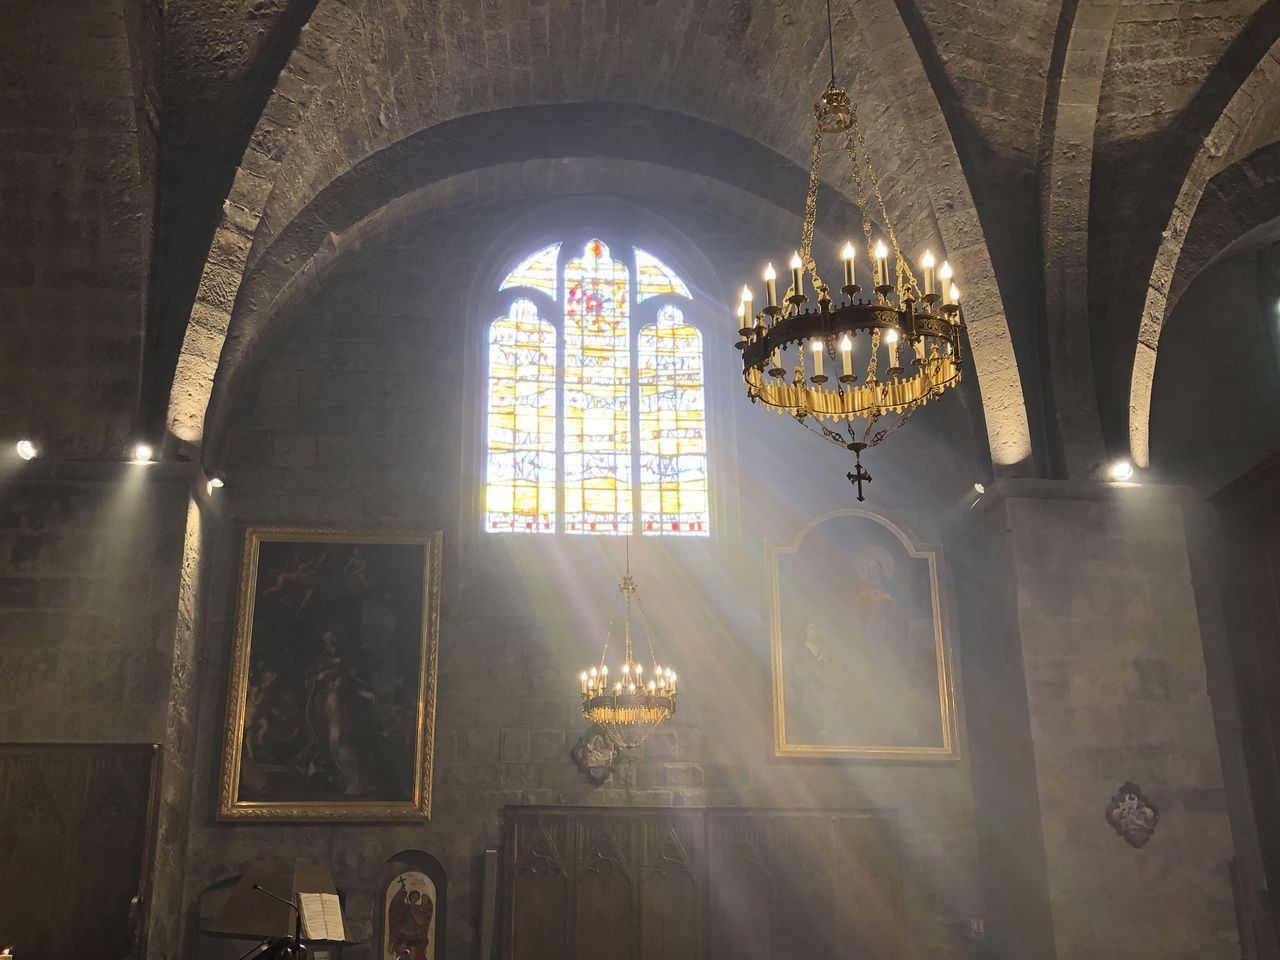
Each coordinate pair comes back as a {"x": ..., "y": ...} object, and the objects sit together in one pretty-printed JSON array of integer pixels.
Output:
[{"x": 321, "y": 917}]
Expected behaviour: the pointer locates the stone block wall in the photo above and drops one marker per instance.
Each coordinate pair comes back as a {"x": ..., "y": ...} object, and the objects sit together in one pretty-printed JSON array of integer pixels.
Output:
[
  {"x": 1116, "y": 691},
  {"x": 365, "y": 414},
  {"x": 89, "y": 558},
  {"x": 75, "y": 229}
]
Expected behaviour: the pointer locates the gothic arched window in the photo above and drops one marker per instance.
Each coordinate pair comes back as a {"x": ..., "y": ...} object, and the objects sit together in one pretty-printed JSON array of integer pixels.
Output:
[{"x": 583, "y": 402}]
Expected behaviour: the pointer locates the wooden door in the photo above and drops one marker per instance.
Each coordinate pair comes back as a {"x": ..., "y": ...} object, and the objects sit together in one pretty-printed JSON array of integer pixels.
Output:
[{"x": 75, "y": 829}]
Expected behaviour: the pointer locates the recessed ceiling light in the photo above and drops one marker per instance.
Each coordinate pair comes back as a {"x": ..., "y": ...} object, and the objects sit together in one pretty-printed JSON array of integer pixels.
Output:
[{"x": 1120, "y": 470}]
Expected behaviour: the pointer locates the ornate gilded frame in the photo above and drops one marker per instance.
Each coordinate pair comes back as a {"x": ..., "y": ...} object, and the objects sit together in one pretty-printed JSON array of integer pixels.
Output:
[
  {"x": 950, "y": 749},
  {"x": 229, "y": 807}
]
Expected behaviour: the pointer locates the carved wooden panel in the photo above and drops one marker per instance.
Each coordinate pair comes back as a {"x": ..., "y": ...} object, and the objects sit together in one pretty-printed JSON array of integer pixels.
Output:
[
  {"x": 75, "y": 824},
  {"x": 670, "y": 921},
  {"x": 741, "y": 904},
  {"x": 646, "y": 884},
  {"x": 539, "y": 918}
]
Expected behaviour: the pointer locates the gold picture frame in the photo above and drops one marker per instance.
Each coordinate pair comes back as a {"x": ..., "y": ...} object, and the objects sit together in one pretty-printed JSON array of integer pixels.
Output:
[
  {"x": 846, "y": 588},
  {"x": 328, "y": 623}
]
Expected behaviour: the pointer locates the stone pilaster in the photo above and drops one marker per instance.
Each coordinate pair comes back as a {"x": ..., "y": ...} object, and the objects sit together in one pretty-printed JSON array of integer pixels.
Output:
[{"x": 1116, "y": 690}]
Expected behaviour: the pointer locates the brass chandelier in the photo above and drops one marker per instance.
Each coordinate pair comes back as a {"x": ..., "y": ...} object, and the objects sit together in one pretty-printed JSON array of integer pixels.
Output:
[
  {"x": 917, "y": 325},
  {"x": 632, "y": 703}
]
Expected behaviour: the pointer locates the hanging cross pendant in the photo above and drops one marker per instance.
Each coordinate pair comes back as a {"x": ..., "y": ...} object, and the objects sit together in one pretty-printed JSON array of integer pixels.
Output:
[{"x": 859, "y": 476}]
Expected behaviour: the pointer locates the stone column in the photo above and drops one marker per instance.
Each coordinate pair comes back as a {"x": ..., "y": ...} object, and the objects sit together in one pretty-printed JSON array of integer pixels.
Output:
[{"x": 1115, "y": 691}]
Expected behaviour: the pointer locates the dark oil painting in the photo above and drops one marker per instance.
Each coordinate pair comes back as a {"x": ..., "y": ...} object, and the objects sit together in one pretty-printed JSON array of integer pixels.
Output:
[
  {"x": 860, "y": 651},
  {"x": 333, "y": 685}
]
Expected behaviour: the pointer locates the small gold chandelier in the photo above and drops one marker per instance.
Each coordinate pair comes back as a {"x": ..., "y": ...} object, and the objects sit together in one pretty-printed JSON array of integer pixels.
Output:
[
  {"x": 630, "y": 706},
  {"x": 917, "y": 325}
]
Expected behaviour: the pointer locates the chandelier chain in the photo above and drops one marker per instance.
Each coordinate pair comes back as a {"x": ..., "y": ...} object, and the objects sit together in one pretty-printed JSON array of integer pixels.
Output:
[
  {"x": 856, "y": 144},
  {"x": 811, "y": 217}
]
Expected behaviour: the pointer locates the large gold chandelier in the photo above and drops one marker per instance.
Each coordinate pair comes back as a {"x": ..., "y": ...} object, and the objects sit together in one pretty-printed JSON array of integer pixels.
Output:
[
  {"x": 629, "y": 704},
  {"x": 823, "y": 365}
]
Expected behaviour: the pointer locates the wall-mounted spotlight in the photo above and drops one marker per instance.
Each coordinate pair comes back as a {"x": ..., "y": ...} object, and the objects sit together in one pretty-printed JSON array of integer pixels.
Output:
[
  {"x": 27, "y": 449},
  {"x": 142, "y": 452},
  {"x": 216, "y": 482},
  {"x": 1121, "y": 470},
  {"x": 979, "y": 488}
]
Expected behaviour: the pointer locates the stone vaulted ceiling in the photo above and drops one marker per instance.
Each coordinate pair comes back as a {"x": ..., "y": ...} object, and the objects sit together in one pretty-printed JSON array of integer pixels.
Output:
[{"x": 1058, "y": 151}]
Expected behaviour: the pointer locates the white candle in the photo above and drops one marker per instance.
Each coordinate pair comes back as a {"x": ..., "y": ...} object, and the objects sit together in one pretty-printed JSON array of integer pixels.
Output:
[
  {"x": 882, "y": 264},
  {"x": 583, "y": 677},
  {"x": 955, "y": 295},
  {"x": 944, "y": 274},
  {"x": 926, "y": 263},
  {"x": 846, "y": 356},
  {"x": 816, "y": 347},
  {"x": 770, "y": 286},
  {"x": 797, "y": 275},
  {"x": 742, "y": 318},
  {"x": 891, "y": 338},
  {"x": 847, "y": 254}
]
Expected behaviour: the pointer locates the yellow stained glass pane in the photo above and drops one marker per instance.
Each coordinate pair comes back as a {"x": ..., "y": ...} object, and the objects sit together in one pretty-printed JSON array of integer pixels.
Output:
[
  {"x": 537, "y": 271},
  {"x": 597, "y": 393},
  {"x": 520, "y": 476},
  {"x": 673, "y": 433},
  {"x": 653, "y": 277}
]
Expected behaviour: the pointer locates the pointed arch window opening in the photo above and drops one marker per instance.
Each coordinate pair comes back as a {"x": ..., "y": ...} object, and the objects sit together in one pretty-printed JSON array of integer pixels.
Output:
[{"x": 597, "y": 424}]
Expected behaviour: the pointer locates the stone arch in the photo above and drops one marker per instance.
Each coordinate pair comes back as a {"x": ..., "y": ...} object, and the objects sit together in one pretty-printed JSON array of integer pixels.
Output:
[
  {"x": 1071, "y": 114},
  {"x": 307, "y": 70},
  {"x": 1239, "y": 210},
  {"x": 273, "y": 298},
  {"x": 947, "y": 209},
  {"x": 1223, "y": 141}
]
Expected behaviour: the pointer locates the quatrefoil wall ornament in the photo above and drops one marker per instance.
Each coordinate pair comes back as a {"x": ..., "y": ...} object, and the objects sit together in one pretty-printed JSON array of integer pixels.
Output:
[{"x": 1132, "y": 815}]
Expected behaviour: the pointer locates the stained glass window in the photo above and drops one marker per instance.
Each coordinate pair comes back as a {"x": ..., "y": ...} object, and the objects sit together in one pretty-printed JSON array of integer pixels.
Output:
[
  {"x": 564, "y": 405},
  {"x": 537, "y": 271},
  {"x": 597, "y": 393},
  {"x": 654, "y": 277},
  {"x": 520, "y": 492},
  {"x": 673, "y": 428}
]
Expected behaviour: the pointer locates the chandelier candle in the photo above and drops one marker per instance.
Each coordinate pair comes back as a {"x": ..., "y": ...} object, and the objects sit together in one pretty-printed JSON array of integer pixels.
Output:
[
  {"x": 817, "y": 348},
  {"x": 746, "y": 313},
  {"x": 882, "y": 264},
  {"x": 847, "y": 255},
  {"x": 858, "y": 409}
]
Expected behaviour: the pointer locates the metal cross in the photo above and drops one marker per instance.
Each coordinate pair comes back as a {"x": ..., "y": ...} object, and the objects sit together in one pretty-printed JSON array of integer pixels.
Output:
[{"x": 859, "y": 476}]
